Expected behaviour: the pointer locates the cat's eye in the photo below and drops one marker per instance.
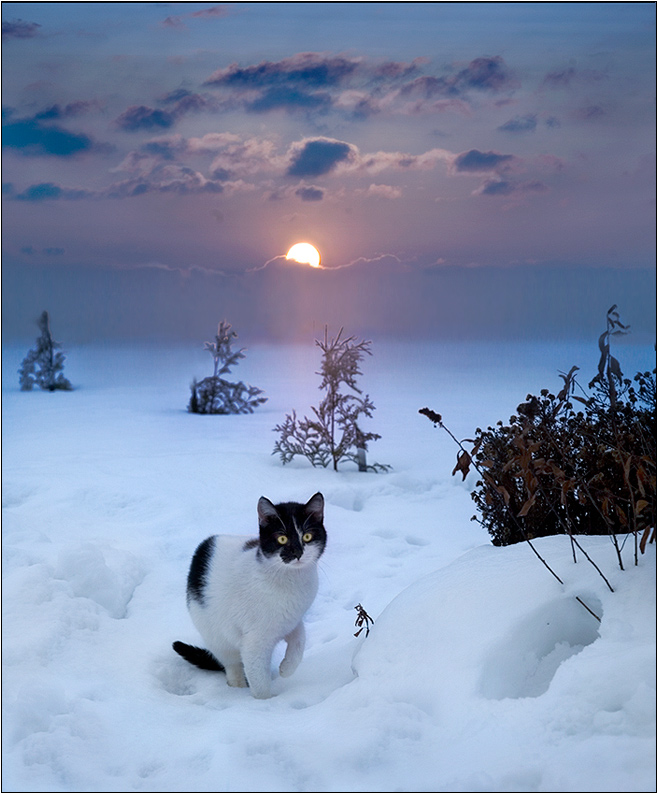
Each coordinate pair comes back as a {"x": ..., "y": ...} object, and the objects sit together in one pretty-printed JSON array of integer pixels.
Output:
[
  {"x": 307, "y": 537},
  {"x": 282, "y": 539}
]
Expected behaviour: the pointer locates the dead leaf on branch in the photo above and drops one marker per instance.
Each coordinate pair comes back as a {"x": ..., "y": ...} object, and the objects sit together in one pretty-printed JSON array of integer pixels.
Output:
[
  {"x": 527, "y": 506},
  {"x": 568, "y": 383},
  {"x": 463, "y": 464},
  {"x": 648, "y": 536}
]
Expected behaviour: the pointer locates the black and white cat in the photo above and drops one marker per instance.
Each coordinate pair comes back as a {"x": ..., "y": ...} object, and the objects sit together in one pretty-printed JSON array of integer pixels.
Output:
[{"x": 245, "y": 595}]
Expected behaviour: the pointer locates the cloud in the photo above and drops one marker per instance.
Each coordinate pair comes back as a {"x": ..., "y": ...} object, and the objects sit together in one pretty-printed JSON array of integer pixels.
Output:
[
  {"x": 386, "y": 258},
  {"x": 231, "y": 156},
  {"x": 429, "y": 86},
  {"x": 496, "y": 167},
  {"x": 396, "y": 70},
  {"x": 212, "y": 142},
  {"x": 46, "y": 191},
  {"x": 159, "y": 165},
  {"x": 362, "y": 105},
  {"x": 589, "y": 113},
  {"x": 502, "y": 187},
  {"x": 136, "y": 161},
  {"x": 563, "y": 78},
  {"x": 175, "y": 96},
  {"x": 481, "y": 74},
  {"x": 238, "y": 157},
  {"x": 215, "y": 12},
  {"x": 141, "y": 117},
  {"x": 291, "y": 99},
  {"x": 165, "y": 148},
  {"x": 210, "y": 13},
  {"x": 307, "y": 158},
  {"x": 310, "y": 193},
  {"x": 495, "y": 187},
  {"x": 319, "y": 82},
  {"x": 67, "y": 111},
  {"x": 18, "y": 29},
  {"x": 401, "y": 161},
  {"x": 164, "y": 178},
  {"x": 560, "y": 78},
  {"x": 365, "y": 260},
  {"x": 476, "y": 162},
  {"x": 440, "y": 106},
  {"x": 32, "y": 137},
  {"x": 315, "y": 193},
  {"x": 520, "y": 124},
  {"x": 173, "y": 22},
  {"x": 318, "y": 156},
  {"x": 305, "y": 68},
  {"x": 486, "y": 74},
  {"x": 381, "y": 191},
  {"x": 161, "y": 178},
  {"x": 189, "y": 103},
  {"x": 179, "y": 103},
  {"x": 29, "y": 250}
]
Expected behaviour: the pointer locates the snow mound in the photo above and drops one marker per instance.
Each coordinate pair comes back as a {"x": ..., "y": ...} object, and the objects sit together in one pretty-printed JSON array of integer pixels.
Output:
[
  {"x": 499, "y": 656},
  {"x": 524, "y": 662},
  {"x": 108, "y": 577}
]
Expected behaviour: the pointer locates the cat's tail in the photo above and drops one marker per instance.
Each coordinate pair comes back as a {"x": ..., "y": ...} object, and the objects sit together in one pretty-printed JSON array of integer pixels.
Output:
[{"x": 197, "y": 656}]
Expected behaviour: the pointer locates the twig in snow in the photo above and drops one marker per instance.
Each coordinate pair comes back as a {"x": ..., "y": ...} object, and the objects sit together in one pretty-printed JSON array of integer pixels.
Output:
[{"x": 363, "y": 620}]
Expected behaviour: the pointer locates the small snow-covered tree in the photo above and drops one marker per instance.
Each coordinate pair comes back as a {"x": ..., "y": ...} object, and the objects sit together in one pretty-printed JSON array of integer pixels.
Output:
[
  {"x": 334, "y": 434},
  {"x": 43, "y": 366},
  {"x": 214, "y": 394}
]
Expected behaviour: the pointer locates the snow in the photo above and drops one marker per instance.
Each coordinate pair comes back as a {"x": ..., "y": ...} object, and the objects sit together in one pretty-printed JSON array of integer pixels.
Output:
[{"x": 480, "y": 673}]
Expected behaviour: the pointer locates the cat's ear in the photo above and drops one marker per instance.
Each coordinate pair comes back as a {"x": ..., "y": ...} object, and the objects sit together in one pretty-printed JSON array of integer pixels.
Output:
[
  {"x": 315, "y": 507},
  {"x": 266, "y": 510}
]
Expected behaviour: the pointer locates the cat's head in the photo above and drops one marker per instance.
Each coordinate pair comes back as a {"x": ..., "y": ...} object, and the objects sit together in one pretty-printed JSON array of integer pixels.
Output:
[{"x": 292, "y": 532}]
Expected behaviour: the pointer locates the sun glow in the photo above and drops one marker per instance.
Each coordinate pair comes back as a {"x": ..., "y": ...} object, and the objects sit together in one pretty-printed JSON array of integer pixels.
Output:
[{"x": 305, "y": 253}]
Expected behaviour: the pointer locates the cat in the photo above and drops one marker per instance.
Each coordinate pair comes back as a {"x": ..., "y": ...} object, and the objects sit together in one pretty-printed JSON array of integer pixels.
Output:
[{"x": 245, "y": 595}]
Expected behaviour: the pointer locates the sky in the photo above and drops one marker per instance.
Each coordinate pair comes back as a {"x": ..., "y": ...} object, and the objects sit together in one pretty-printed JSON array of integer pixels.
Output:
[{"x": 464, "y": 169}]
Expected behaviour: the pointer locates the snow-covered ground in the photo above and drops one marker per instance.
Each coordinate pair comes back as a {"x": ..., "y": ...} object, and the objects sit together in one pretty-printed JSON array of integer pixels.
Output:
[{"x": 481, "y": 672}]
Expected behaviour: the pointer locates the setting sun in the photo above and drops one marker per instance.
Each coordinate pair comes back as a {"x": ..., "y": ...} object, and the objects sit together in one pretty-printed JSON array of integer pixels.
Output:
[{"x": 305, "y": 253}]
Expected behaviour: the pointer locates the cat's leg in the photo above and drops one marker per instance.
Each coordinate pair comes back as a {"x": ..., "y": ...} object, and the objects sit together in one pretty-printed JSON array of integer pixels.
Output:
[
  {"x": 257, "y": 658},
  {"x": 295, "y": 650},
  {"x": 235, "y": 675},
  {"x": 234, "y": 669},
  {"x": 232, "y": 663}
]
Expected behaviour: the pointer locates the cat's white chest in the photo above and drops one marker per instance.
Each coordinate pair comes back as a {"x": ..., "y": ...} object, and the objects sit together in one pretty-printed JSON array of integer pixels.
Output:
[{"x": 245, "y": 595}]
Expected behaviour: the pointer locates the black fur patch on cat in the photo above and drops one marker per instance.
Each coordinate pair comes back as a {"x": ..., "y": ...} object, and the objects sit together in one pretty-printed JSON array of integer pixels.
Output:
[
  {"x": 254, "y": 543},
  {"x": 197, "y": 656},
  {"x": 196, "y": 578}
]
